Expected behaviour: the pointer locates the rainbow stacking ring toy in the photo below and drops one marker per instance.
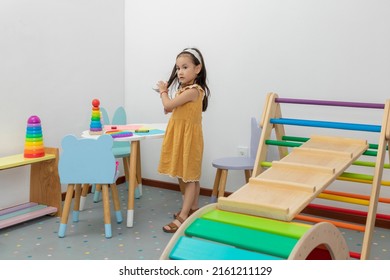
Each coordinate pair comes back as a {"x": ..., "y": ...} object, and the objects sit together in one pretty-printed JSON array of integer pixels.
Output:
[
  {"x": 95, "y": 126},
  {"x": 33, "y": 146}
]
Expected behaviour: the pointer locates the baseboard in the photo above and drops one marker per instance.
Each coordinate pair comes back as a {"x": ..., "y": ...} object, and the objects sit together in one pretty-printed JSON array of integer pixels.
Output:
[
  {"x": 317, "y": 212},
  {"x": 156, "y": 184},
  {"x": 171, "y": 186}
]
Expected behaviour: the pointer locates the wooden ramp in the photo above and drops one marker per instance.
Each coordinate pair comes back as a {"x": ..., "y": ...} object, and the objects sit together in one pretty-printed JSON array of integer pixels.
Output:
[
  {"x": 259, "y": 220},
  {"x": 285, "y": 189},
  {"x": 258, "y": 215}
]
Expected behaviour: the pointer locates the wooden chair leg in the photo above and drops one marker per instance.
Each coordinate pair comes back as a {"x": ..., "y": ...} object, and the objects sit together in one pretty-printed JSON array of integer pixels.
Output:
[
  {"x": 248, "y": 174},
  {"x": 106, "y": 211},
  {"x": 138, "y": 189},
  {"x": 76, "y": 204},
  {"x": 117, "y": 206},
  {"x": 217, "y": 179},
  {"x": 65, "y": 211},
  {"x": 222, "y": 183},
  {"x": 126, "y": 167}
]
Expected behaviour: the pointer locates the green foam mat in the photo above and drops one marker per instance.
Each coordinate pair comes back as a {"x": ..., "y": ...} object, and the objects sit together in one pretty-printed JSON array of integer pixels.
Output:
[
  {"x": 289, "y": 229},
  {"x": 242, "y": 237}
]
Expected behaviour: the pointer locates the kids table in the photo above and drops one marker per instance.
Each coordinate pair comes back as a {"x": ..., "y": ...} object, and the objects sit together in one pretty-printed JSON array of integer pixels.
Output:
[{"x": 140, "y": 132}]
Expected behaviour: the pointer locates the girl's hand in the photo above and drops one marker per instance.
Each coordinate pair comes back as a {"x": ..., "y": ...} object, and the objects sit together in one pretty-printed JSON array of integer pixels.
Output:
[{"x": 162, "y": 86}]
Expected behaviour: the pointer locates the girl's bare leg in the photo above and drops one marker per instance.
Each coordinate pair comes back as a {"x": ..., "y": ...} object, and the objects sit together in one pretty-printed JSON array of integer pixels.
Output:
[
  {"x": 191, "y": 196},
  {"x": 195, "y": 203},
  {"x": 182, "y": 188}
]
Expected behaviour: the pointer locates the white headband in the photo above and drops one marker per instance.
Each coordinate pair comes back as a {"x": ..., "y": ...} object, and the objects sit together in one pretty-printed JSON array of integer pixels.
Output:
[{"x": 194, "y": 53}]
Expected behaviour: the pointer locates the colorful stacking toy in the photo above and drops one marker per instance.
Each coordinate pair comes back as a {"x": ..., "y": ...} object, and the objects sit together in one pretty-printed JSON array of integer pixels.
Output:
[
  {"x": 96, "y": 126},
  {"x": 33, "y": 147}
]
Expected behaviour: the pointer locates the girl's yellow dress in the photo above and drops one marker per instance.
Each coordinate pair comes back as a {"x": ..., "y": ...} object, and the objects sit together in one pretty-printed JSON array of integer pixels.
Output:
[{"x": 182, "y": 147}]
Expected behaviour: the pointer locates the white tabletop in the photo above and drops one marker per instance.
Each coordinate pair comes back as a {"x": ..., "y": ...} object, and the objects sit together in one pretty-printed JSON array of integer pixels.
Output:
[{"x": 134, "y": 137}]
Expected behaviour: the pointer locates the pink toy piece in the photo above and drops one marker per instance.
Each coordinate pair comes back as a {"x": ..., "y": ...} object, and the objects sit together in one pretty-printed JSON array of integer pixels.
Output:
[
  {"x": 34, "y": 120},
  {"x": 130, "y": 127}
]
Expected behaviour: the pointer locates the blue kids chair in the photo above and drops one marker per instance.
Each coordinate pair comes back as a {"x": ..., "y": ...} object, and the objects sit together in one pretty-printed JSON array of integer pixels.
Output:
[{"x": 88, "y": 161}]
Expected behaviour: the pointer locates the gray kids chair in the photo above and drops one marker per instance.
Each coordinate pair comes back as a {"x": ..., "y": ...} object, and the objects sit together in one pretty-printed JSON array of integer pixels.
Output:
[{"x": 225, "y": 164}]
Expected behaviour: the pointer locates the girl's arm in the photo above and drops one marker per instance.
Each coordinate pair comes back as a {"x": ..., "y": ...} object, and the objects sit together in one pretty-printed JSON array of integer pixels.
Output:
[{"x": 188, "y": 95}]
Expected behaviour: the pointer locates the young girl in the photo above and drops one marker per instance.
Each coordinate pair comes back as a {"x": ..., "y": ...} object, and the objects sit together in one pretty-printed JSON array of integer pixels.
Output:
[{"x": 182, "y": 148}]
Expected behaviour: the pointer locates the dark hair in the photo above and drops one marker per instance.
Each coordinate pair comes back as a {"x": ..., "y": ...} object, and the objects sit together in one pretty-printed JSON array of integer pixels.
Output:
[{"x": 201, "y": 79}]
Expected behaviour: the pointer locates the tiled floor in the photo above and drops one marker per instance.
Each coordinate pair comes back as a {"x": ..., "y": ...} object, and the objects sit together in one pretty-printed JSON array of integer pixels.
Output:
[{"x": 38, "y": 240}]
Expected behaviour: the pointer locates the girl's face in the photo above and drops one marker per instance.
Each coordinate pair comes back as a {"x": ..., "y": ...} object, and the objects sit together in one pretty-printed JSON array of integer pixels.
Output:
[{"x": 186, "y": 70}]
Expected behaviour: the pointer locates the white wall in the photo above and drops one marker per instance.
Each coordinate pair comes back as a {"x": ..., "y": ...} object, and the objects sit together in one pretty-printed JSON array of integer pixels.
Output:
[
  {"x": 55, "y": 57},
  {"x": 333, "y": 49}
]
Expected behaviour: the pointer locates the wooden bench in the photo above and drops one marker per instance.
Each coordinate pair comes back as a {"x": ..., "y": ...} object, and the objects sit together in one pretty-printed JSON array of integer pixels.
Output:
[{"x": 45, "y": 188}]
